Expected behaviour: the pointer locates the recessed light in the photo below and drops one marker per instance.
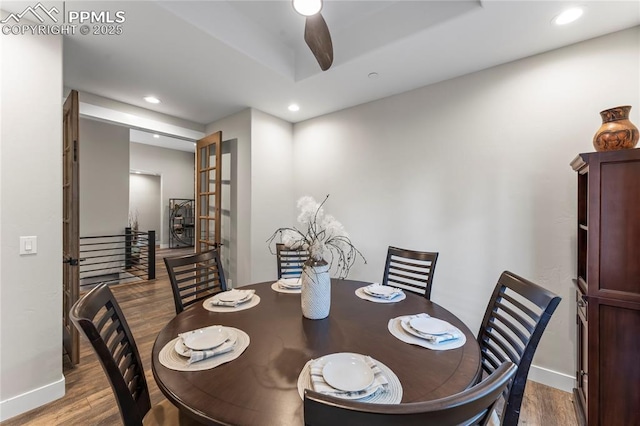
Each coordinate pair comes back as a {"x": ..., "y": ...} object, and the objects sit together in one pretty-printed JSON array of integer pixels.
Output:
[
  {"x": 373, "y": 75},
  {"x": 307, "y": 7},
  {"x": 152, "y": 99},
  {"x": 568, "y": 16},
  {"x": 294, "y": 108},
  {"x": 156, "y": 136}
]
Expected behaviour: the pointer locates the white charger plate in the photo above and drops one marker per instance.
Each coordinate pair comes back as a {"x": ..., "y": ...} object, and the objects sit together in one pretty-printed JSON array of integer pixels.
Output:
[
  {"x": 183, "y": 350},
  {"x": 400, "y": 328},
  {"x": 232, "y": 295},
  {"x": 347, "y": 372},
  {"x": 377, "y": 299},
  {"x": 406, "y": 327},
  {"x": 379, "y": 290},
  {"x": 291, "y": 283},
  {"x": 430, "y": 325},
  {"x": 205, "y": 338}
]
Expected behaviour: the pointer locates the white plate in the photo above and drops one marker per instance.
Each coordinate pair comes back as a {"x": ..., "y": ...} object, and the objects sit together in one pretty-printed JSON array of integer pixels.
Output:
[
  {"x": 232, "y": 295},
  {"x": 347, "y": 372},
  {"x": 380, "y": 290},
  {"x": 293, "y": 283},
  {"x": 183, "y": 350},
  {"x": 206, "y": 338},
  {"x": 406, "y": 327},
  {"x": 430, "y": 325}
]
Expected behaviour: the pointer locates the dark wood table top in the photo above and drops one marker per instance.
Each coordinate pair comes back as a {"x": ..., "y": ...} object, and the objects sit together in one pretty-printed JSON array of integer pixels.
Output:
[{"x": 259, "y": 387}]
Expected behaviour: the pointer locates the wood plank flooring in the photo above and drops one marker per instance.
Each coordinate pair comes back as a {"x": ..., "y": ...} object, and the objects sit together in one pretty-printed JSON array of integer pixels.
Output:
[{"x": 148, "y": 306}]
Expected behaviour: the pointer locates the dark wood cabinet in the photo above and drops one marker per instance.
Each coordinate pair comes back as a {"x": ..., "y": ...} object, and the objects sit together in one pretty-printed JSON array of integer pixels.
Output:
[{"x": 608, "y": 288}]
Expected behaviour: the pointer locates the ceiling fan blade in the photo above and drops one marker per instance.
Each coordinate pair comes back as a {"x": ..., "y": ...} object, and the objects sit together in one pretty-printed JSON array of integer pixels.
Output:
[{"x": 317, "y": 37}]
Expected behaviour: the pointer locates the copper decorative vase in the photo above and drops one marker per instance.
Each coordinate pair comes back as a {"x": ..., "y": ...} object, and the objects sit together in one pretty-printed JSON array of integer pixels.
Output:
[{"x": 616, "y": 132}]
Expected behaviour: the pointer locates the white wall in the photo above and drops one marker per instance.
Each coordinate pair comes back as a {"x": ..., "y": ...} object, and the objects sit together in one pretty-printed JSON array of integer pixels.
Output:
[
  {"x": 262, "y": 196},
  {"x": 144, "y": 202},
  {"x": 176, "y": 169},
  {"x": 237, "y": 257},
  {"x": 31, "y": 204},
  {"x": 476, "y": 168},
  {"x": 104, "y": 178},
  {"x": 272, "y": 203}
]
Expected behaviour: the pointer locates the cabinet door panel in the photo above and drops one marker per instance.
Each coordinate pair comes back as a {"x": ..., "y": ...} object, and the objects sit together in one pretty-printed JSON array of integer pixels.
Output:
[
  {"x": 614, "y": 367},
  {"x": 620, "y": 228}
]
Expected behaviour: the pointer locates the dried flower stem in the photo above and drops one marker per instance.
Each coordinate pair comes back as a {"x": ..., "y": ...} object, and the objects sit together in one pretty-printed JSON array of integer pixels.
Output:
[{"x": 324, "y": 236}]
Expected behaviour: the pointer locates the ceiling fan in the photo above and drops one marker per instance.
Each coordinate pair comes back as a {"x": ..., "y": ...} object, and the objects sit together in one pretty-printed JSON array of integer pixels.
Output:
[{"x": 316, "y": 32}]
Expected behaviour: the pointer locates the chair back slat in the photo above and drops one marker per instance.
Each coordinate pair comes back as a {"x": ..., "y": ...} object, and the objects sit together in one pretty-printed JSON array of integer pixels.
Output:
[
  {"x": 128, "y": 370},
  {"x": 504, "y": 344},
  {"x": 117, "y": 340},
  {"x": 419, "y": 280},
  {"x": 505, "y": 327},
  {"x": 99, "y": 311},
  {"x": 520, "y": 306},
  {"x": 469, "y": 407},
  {"x": 410, "y": 270},
  {"x": 121, "y": 352},
  {"x": 195, "y": 277},
  {"x": 290, "y": 261},
  {"x": 197, "y": 285},
  {"x": 516, "y": 316},
  {"x": 106, "y": 316},
  {"x": 490, "y": 363}
]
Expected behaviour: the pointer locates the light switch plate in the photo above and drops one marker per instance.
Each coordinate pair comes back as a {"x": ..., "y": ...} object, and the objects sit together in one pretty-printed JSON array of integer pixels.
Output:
[{"x": 28, "y": 245}]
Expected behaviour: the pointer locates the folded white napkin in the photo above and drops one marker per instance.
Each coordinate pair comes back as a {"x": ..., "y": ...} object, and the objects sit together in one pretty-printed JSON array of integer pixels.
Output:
[
  {"x": 380, "y": 382},
  {"x": 200, "y": 355},
  {"x": 374, "y": 290},
  {"x": 451, "y": 334},
  {"x": 248, "y": 295},
  {"x": 196, "y": 356}
]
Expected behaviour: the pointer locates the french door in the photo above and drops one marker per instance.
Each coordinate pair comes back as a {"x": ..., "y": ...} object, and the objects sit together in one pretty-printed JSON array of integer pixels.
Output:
[
  {"x": 70, "y": 224},
  {"x": 208, "y": 192}
]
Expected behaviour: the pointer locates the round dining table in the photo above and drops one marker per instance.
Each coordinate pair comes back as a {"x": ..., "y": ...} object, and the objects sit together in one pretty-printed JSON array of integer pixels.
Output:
[{"x": 260, "y": 386}]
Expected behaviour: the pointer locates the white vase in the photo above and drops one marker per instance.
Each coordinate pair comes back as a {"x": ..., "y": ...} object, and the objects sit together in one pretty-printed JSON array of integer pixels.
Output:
[{"x": 315, "y": 295}]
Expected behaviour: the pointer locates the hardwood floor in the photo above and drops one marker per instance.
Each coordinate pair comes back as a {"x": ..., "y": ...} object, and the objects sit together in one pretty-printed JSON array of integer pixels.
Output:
[{"x": 148, "y": 306}]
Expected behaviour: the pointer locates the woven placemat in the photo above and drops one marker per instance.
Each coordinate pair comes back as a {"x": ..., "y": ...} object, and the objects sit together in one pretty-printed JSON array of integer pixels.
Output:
[
  {"x": 396, "y": 329},
  {"x": 393, "y": 394},
  {"x": 363, "y": 295},
  {"x": 171, "y": 359},
  {"x": 241, "y": 307},
  {"x": 276, "y": 287}
]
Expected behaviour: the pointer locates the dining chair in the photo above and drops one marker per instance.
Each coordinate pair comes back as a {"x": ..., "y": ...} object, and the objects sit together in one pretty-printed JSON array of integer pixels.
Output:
[
  {"x": 516, "y": 316},
  {"x": 471, "y": 406},
  {"x": 410, "y": 270},
  {"x": 99, "y": 318},
  {"x": 195, "y": 277},
  {"x": 290, "y": 261}
]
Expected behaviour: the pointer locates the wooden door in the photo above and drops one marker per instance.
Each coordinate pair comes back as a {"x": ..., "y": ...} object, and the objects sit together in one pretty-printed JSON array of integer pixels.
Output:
[
  {"x": 208, "y": 192},
  {"x": 70, "y": 224}
]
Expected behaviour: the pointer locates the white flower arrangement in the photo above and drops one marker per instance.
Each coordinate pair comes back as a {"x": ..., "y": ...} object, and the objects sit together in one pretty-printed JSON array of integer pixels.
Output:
[{"x": 321, "y": 235}]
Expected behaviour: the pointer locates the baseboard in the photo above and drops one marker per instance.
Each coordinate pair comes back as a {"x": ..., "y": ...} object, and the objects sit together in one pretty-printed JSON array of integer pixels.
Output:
[
  {"x": 555, "y": 379},
  {"x": 33, "y": 399}
]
